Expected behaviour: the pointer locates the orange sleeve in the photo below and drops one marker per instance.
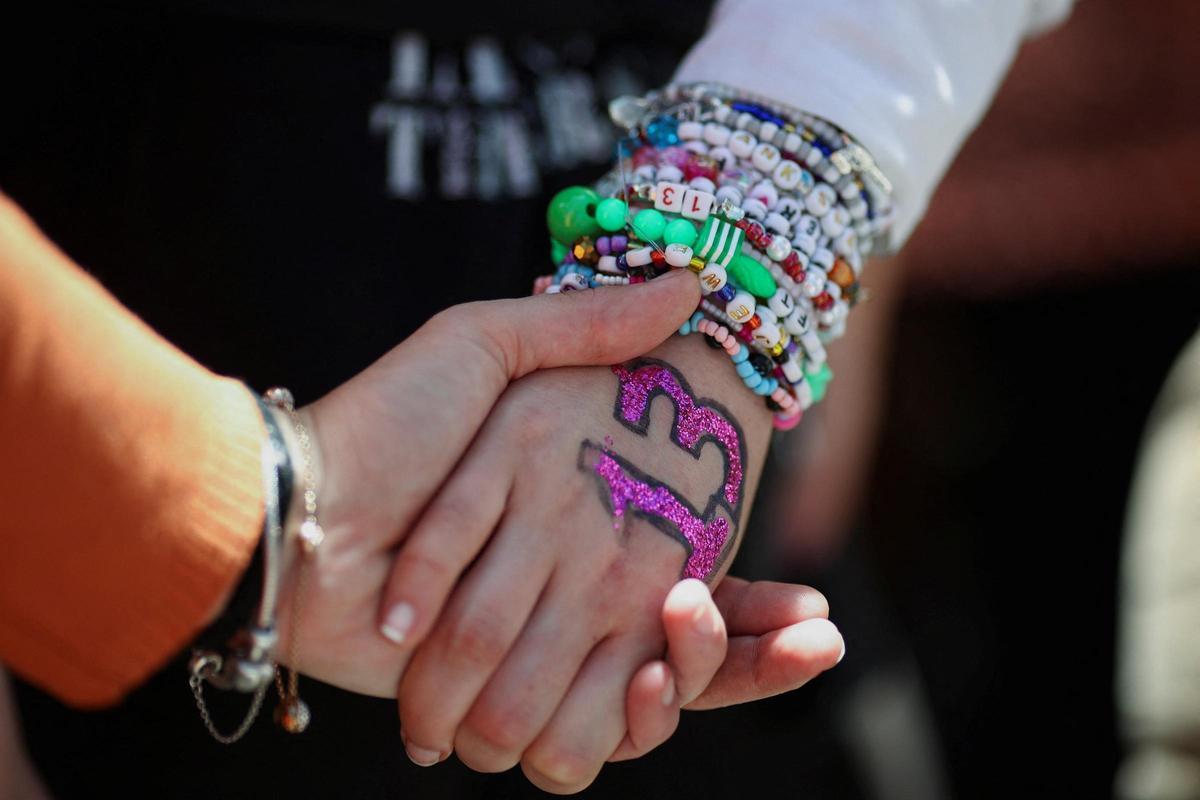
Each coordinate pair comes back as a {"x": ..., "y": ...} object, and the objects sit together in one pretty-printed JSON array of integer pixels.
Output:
[{"x": 130, "y": 480}]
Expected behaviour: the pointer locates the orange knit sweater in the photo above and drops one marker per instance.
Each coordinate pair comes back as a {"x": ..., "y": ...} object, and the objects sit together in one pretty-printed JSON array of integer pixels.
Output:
[{"x": 130, "y": 484}]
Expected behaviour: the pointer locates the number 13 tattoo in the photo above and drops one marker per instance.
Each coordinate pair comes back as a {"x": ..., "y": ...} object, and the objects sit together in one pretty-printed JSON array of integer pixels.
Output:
[{"x": 706, "y": 536}]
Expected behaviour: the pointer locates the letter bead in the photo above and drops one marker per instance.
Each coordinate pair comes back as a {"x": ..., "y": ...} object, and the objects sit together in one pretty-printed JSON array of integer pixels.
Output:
[
  {"x": 668, "y": 196},
  {"x": 678, "y": 255},
  {"x": 690, "y": 130},
  {"x": 820, "y": 200},
  {"x": 781, "y": 304},
  {"x": 712, "y": 278},
  {"x": 787, "y": 175},
  {"x": 697, "y": 204},
  {"x": 742, "y": 144},
  {"x": 765, "y": 157},
  {"x": 741, "y": 307},
  {"x": 716, "y": 134}
]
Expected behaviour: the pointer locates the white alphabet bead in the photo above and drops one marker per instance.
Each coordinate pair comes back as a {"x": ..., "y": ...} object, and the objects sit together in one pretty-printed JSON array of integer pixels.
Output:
[
  {"x": 703, "y": 184},
  {"x": 807, "y": 224},
  {"x": 765, "y": 313},
  {"x": 689, "y": 130},
  {"x": 572, "y": 281},
  {"x": 608, "y": 264},
  {"x": 670, "y": 173},
  {"x": 789, "y": 208},
  {"x": 765, "y": 191},
  {"x": 754, "y": 208},
  {"x": 823, "y": 258},
  {"x": 767, "y": 131},
  {"x": 767, "y": 334},
  {"x": 668, "y": 196},
  {"x": 742, "y": 143},
  {"x": 813, "y": 348},
  {"x": 716, "y": 134},
  {"x": 777, "y": 223},
  {"x": 787, "y": 175},
  {"x": 835, "y": 221},
  {"x": 696, "y": 146},
  {"x": 729, "y": 193},
  {"x": 741, "y": 307},
  {"x": 712, "y": 278},
  {"x": 792, "y": 142},
  {"x": 697, "y": 204},
  {"x": 781, "y": 304},
  {"x": 765, "y": 157},
  {"x": 678, "y": 255},
  {"x": 820, "y": 200},
  {"x": 723, "y": 156},
  {"x": 645, "y": 173},
  {"x": 800, "y": 321}
]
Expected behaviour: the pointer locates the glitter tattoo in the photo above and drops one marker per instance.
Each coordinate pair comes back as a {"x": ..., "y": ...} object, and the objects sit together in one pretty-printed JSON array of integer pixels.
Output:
[{"x": 704, "y": 535}]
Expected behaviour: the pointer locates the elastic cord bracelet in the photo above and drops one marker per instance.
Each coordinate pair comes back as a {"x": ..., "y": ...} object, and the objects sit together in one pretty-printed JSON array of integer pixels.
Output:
[{"x": 246, "y": 662}]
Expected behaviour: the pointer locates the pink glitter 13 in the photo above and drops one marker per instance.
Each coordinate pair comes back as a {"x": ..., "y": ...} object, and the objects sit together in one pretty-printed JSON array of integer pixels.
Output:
[
  {"x": 692, "y": 422},
  {"x": 707, "y": 538},
  {"x": 706, "y": 535}
]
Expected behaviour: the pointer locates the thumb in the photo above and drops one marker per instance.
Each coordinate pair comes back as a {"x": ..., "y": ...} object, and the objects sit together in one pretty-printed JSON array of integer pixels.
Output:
[{"x": 598, "y": 326}]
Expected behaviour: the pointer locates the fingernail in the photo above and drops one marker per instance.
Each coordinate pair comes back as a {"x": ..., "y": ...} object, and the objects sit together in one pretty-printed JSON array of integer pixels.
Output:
[
  {"x": 705, "y": 622},
  {"x": 422, "y": 757},
  {"x": 668, "y": 692},
  {"x": 842, "y": 654},
  {"x": 397, "y": 623}
]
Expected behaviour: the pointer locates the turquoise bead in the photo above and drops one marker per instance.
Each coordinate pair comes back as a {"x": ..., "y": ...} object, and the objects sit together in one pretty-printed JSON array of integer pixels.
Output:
[
  {"x": 572, "y": 213},
  {"x": 741, "y": 355},
  {"x": 685, "y": 329},
  {"x": 753, "y": 380},
  {"x": 649, "y": 224},
  {"x": 745, "y": 370},
  {"x": 610, "y": 214},
  {"x": 680, "y": 231}
]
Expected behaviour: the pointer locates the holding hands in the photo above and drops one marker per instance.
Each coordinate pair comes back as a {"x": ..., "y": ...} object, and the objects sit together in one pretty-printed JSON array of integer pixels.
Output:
[{"x": 506, "y": 516}]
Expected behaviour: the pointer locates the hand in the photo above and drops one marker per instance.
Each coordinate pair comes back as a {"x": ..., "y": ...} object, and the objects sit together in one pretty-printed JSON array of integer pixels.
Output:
[
  {"x": 780, "y": 638},
  {"x": 388, "y": 438},
  {"x": 530, "y": 658}
]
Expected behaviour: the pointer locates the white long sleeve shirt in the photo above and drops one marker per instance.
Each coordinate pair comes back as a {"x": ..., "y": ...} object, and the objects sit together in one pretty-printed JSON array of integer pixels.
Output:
[{"x": 910, "y": 79}]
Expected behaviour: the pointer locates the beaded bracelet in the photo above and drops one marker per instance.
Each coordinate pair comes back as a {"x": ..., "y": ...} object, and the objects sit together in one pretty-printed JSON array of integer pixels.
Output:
[{"x": 773, "y": 208}]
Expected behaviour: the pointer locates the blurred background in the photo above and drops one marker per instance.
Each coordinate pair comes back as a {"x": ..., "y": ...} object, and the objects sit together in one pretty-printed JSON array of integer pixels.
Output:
[{"x": 960, "y": 497}]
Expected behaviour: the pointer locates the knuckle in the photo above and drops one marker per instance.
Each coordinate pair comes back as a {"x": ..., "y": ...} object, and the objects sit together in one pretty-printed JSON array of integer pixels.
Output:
[
  {"x": 558, "y": 770},
  {"x": 503, "y": 732},
  {"x": 475, "y": 641}
]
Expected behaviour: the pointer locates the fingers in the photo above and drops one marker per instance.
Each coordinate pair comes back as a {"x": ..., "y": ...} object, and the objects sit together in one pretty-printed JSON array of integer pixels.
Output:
[
  {"x": 776, "y": 662},
  {"x": 595, "y": 327},
  {"x": 651, "y": 711},
  {"x": 696, "y": 640},
  {"x": 764, "y": 606},
  {"x": 589, "y": 724},
  {"x": 523, "y": 693},
  {"x": 451, "y": 532},
  {"x": 471, "y": 638}
]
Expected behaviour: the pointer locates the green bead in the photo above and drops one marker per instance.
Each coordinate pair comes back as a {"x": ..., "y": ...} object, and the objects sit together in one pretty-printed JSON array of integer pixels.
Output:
[
  {"x": 558, "y": 251},
  {"x": 572, "y": 213},
  {"x": 680, "y": 231},
  {"x": 649, "y": 224},
  {"x": 751, "y": 276},
  {"x": 819, "y": 381},
  {"x": 611, "y": 214}
]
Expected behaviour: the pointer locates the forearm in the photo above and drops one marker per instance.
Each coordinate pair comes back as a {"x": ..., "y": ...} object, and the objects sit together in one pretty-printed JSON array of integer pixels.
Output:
[{"x": 131, "y": 485}]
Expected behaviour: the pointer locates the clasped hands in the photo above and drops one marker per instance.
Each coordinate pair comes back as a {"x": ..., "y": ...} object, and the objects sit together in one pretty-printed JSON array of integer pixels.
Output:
[{"x": 473, "y": 571}]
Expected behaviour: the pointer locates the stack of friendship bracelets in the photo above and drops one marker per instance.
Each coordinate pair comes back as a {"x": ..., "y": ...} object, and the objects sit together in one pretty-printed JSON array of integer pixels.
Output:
[{"x": 772, "y": 207}]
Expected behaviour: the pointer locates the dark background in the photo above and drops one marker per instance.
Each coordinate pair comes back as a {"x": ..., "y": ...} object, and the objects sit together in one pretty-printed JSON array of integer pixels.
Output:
[{"x": 214, "y": 166}]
